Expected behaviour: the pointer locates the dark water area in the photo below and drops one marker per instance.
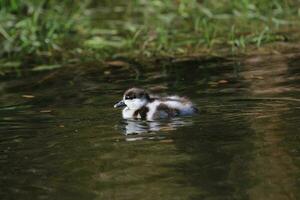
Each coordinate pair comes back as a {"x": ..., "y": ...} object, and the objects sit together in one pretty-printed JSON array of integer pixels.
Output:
[{"x": 61, "y": 138}]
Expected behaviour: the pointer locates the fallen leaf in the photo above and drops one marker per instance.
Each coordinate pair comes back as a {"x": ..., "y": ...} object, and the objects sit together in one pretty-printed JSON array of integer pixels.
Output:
[
  {"x": 222, "y": 81},
  {"x": 117, "y": 63},
  {"x": 28, "y": 96},
  {"x": 46, "y": 67},
  {"x": 45, "y": 111}
]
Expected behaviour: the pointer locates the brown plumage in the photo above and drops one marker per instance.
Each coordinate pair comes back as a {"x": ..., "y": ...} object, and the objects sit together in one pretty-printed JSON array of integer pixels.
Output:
[
  {"x": 142, "y": 112},
  {"x": 171, "y": 112},
  {"x": 136, "y": 93}
]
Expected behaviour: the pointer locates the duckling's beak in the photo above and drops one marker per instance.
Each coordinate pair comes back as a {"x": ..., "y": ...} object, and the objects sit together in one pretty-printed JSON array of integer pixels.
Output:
[{"x": 120, "y": 104}]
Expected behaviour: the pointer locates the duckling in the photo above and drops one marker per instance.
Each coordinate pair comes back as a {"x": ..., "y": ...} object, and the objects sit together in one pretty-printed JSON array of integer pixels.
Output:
[{"x": 140, "y": 105}]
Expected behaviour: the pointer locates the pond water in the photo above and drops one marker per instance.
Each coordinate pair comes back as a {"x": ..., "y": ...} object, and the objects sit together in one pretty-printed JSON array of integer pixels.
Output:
[{"x": 61, "y": 138}]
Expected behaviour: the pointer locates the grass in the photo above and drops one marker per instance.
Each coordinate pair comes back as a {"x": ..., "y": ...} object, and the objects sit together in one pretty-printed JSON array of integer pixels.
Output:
[{"x": 55, "y": 31}]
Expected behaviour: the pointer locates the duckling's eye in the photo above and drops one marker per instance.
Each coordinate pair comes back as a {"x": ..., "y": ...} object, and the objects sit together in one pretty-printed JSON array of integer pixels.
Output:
[{"x": 129, "y": 97}]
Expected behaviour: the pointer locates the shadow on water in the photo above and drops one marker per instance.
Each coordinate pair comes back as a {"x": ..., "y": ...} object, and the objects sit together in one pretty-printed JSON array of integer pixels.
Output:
[{"x": 61, "y": 138}]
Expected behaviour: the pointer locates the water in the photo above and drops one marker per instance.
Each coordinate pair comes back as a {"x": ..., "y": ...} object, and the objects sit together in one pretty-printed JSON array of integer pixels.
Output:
[{"x": 64, "y": 140}]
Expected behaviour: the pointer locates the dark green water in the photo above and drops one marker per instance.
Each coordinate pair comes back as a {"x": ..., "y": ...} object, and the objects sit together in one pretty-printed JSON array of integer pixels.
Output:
[{"x": 69, "y": 143}]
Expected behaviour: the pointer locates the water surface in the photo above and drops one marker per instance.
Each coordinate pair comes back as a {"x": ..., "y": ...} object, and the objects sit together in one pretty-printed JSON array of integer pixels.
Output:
[{"x": 62, "y": 139}]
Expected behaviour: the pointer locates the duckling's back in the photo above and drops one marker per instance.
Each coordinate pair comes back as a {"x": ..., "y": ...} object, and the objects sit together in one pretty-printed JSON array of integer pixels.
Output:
[
  {"x": 173, "y": 106},
  {"x": 184, "y": 105}
]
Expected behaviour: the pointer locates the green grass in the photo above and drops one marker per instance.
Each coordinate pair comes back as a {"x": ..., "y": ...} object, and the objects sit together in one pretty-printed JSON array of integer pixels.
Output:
[
  {"x": 66, "y": 31},
  {"x": 36, "y": 27}
]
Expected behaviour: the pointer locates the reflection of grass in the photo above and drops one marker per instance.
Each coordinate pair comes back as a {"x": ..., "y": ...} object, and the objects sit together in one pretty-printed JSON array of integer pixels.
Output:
[{"x": 68, "y": 28}]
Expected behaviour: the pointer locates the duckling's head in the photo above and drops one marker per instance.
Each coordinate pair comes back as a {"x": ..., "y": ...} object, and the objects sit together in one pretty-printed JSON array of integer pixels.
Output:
[{"x": 134, "y": 99}]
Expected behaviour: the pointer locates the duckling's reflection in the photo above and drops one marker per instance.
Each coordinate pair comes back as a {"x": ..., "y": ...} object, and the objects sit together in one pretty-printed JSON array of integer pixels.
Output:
[{"x": 139, "y": 130}]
